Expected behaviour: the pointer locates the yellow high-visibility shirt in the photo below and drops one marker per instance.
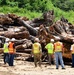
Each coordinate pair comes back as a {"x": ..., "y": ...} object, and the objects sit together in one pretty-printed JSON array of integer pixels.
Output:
[
  {"x": 5, "y": 47},
  {"x": 50, "y": 48},
  {"x": 36, "y": 48}
]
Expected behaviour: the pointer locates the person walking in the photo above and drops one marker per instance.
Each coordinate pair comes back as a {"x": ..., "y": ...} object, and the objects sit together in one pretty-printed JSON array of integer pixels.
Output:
[
  {"x": 72, "y": 52},
  {"x": 50, "y": 50},
  {"x": 58, "y": 49},
  {"x": 6, "y": 51},
  {"x": 11, "y": 52},
  {"x": 37, "y": 52}
]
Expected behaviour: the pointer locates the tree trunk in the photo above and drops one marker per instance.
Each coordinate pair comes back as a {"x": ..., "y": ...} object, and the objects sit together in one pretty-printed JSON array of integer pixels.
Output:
[{"x": 31, "y": 30}]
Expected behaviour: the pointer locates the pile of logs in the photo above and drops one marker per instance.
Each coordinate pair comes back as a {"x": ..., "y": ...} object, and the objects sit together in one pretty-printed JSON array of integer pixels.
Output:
[{"x": 44, "y": 27}]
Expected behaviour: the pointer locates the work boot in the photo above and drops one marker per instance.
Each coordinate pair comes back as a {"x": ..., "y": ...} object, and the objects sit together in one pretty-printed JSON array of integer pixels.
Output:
[
  {"x": 56, "y": 68},
  {"x": 63, "y": 68}
]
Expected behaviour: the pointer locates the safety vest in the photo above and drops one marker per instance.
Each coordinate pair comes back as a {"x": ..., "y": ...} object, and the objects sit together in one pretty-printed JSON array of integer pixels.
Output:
[
  {"x": 73, "y": 49},
  {"x": 5, "y": 47},
  {"x": 58, "y": 46},
  {"x": 11, "y": 49},
  {"x": 36, "y": 48},
  {"x": 49, "y": 47}
]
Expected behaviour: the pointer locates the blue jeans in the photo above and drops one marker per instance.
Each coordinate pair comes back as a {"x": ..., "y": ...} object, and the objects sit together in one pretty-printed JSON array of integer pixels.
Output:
[
  {"x": 6, "y": 58},
  {"x": 72, "y": 60},
  {"x": 11, "y": 59},
  {"x": 58, "y": 57}
]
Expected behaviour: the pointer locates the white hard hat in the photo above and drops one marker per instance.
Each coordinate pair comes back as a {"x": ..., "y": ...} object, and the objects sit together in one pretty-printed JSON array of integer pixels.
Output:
[
  {"x": 73, "y": 40},
  {"x": 52, "y": 40},
  {"x": 36, "y": 39},
  {"x": 13, "y": 39},
  {"x": 7, "y": 39}
]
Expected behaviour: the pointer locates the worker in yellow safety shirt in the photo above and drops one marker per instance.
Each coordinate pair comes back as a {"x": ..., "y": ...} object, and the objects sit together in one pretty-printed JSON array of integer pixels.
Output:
[
  {"x": 58, "y": 50},
  {"x": 50, "y": 50},
  {"x": 72, "y": 52},
  {"x": 37, "y": 52},
  {"x": 6, "y": 51}
]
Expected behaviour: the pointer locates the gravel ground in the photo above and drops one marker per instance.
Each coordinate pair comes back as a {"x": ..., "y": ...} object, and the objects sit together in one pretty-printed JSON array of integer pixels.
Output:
[{"x": 27, "y": 68}]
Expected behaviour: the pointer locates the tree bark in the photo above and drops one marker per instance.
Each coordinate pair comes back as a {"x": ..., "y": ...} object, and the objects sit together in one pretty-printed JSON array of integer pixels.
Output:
[{"x": 31, "y": 30}]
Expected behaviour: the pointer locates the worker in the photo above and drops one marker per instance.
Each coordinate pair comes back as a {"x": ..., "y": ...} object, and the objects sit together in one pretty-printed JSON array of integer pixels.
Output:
[
  {"x": 72, "y": 52},
  {"x": 12, "y": 52},
  {"x": 50, "y": 48},
  {"x": 37, "y": 52},
  {"x": 6, "y": 51},
  {"x": 58, "y": 49}
]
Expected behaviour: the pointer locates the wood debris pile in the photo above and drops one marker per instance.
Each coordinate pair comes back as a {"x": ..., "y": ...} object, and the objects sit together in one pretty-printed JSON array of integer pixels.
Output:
[{"x": 44, "y": 27}]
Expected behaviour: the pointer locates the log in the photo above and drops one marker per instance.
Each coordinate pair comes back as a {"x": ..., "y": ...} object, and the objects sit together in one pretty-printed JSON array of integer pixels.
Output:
[
  {"x": 60, "y": 29},
  {"x": 21, "y": 56},
  {"x": 18, "y": 33},
  {"x": 3, "y": 28},
  {"x": 31, "y": 30},
  {"x": 44, "y": 35},
  {"x": 4, "y": 19},
  {"x": 1, "y": 50},
  {"x": 24, "y": 51},
  {"x": 21, "y": 45},
  {"x": 32, "y": 38},
  {"x": 47, "y": 18}
]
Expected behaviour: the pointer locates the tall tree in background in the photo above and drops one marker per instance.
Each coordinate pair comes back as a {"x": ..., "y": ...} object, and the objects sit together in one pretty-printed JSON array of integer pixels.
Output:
[
  {"x": 3, "y": 2},
  {"x": 64, "y": 4},
  {"x": 33, "y": 5}
]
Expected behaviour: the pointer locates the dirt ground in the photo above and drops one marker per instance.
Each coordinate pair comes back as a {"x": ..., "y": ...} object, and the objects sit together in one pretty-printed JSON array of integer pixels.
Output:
[{"x": 27, "y": 68}]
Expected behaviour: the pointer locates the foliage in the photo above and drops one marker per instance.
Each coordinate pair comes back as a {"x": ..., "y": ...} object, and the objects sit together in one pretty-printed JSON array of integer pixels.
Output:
[
  {"x": 35, "y": 8},
  {"x": 64, "y": 4},
  {"x": 3, "y": 2},
  {"x": 33, "y": 5}
]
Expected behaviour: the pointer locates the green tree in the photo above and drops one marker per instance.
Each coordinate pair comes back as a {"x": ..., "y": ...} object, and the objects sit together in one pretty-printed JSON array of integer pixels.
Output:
[
  {"x": 64, "y": 4},
  {"x": 3, "y": 2},
  {"x": 33, "y": 5}
]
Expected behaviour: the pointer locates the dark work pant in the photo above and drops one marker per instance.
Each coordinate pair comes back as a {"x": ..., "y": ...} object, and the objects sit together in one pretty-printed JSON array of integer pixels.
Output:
[
  {"x": 72, "y": 60},
  {"x": 6, "y": 58},
  {"x": 11, "y": 59},
  {"x": 49, "y": 58},
  {"x": 37, "y": 58}
]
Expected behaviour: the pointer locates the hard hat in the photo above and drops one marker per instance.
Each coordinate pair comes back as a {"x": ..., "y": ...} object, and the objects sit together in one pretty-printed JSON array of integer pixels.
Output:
[
  {"x": 36, "y": 40},
  {"x": 52, "y": 40},
  {"x": 7, "y": 39},
  {"x": 13, "y": 39},
  {"x": 73, "y": 40}
]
